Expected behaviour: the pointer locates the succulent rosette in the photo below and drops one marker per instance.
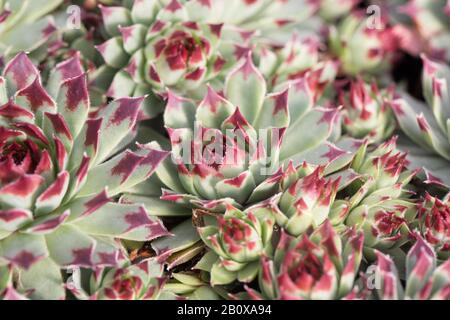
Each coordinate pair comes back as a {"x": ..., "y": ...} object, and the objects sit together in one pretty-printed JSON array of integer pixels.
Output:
[
  {"x": 321, "y": 266},
  {"x": 238, "y": 239},
  {"x": 154, "y": 45},
  {"x": 366, "y": 111},
  {"x": 61, "y": 165},
  {"x": 141, "y": 281},
  {"x": 380, "y": 204},
  {"x": 434, "y": 223},
  {"x": 424, "y": 280},
  {"x": 361, "y": 47},
  {"x": 30, "y": 17},
  {"x": 231, "y": 149},
  {"x": 426, "y": 126},
  {"x": 307, "y": 202}
]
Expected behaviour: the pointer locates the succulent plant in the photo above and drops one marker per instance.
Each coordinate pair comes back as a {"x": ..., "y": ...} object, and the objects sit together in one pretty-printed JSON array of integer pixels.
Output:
[
  {"x": 427, "y": 126},
  {"x": 323, "y": 265},
  {"x": 306, "y": 203},
  {"x": 372, "y": 192},
  {"x": 366, "y": 111},
  {"x": 381, "y": 205},
  {"x": 61, "y": 166},
  {"x": 434, "y": 224},
  {"x": 154, "y": 45},
  {"x": 429, "y": 22},
  {"x": 424, "y": 280},
  {"x": 141, "y": 281},
  {"x": 239, "y": 239},
  {"x": 361, "y": 47},
  {"x": 232, "y": 150}
]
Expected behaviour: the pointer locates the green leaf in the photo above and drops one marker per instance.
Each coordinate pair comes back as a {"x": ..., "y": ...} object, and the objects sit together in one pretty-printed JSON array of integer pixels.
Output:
[
  {"x": 245, "y": 88},
  {"x": 44, "y": 281}
]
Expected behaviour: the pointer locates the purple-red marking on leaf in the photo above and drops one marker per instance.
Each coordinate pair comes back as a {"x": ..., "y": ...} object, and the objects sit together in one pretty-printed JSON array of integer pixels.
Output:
[
  {"x": 33, "y": 131},
  {"x": 49, "y": 30},
  {"x": 59, "y": 124},
  {"x": 205, "y": 3},
  {"x": 250, "y": 2},
  {"x": 196, "y": 74},
  {"x": 329, "y": 115},
  {"x": 70, "y": 68},
  {"x": 429, "y": 66},
  {"x": 237, "y": 181},
  {"x": 36, "y": 95},
  {"x": 422, "y": 266},
  {"x": 431, "y": 179},
  {"x": 137, "y": 219},
  {"x": 191, "y": 25},
  {"x": 153, "y": 74},
  {"x": 131, "y": 68},
  {"x": 212, "y": 99},
  {"x": 127, "y": 32},
  {"x": 96, "y": 203},
  {"x": 157, "y": 26},
  {"x": 57, "y": 187},
  {"x": 108, "y": 259},
  {"x": 218, "y": 64},
  {"x": 82, "y": 257},
  {"x": 421, "y": 247},
  {"x": 237, "y": 119},
  {"x": 14, "y": 214},
  {"x": 174, "y": 6},
  {"x": 281, "y": 101},
  {"x": 45, "y": 163},
  {"x": 437, "y": 85},
  {"x": 248, "y": 68},
  {"x": 6, "y": 13},
  {"x": 21, "y": 68},
  {"x": 156, "y": 230},
  {"x": 107, "y": 11},
  {"x": 13, "y": 111},
  {"x": 92, "y": 132},
  {"x": 397, "y": 108},
  {"x": 24, "y": 186},
  {"x": 61, "y": 153},
  {"x": 423, "y": 123},
  {"x": 154, "y": 157},
  {"x": 216, "y": 29},
  {"x": 127, "y": 165},
  {"x": 333, "y": 153},
  {"x": 25, "y": 259},
  {"x": 128, "y": 108},
  {"x": 240, "y": 51},
  {"x": 77, "y": 92},
  {"x": 174, "y": 102},
  {"x": 51, "y": 224},
  {"x": 82, "y": 170}
]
